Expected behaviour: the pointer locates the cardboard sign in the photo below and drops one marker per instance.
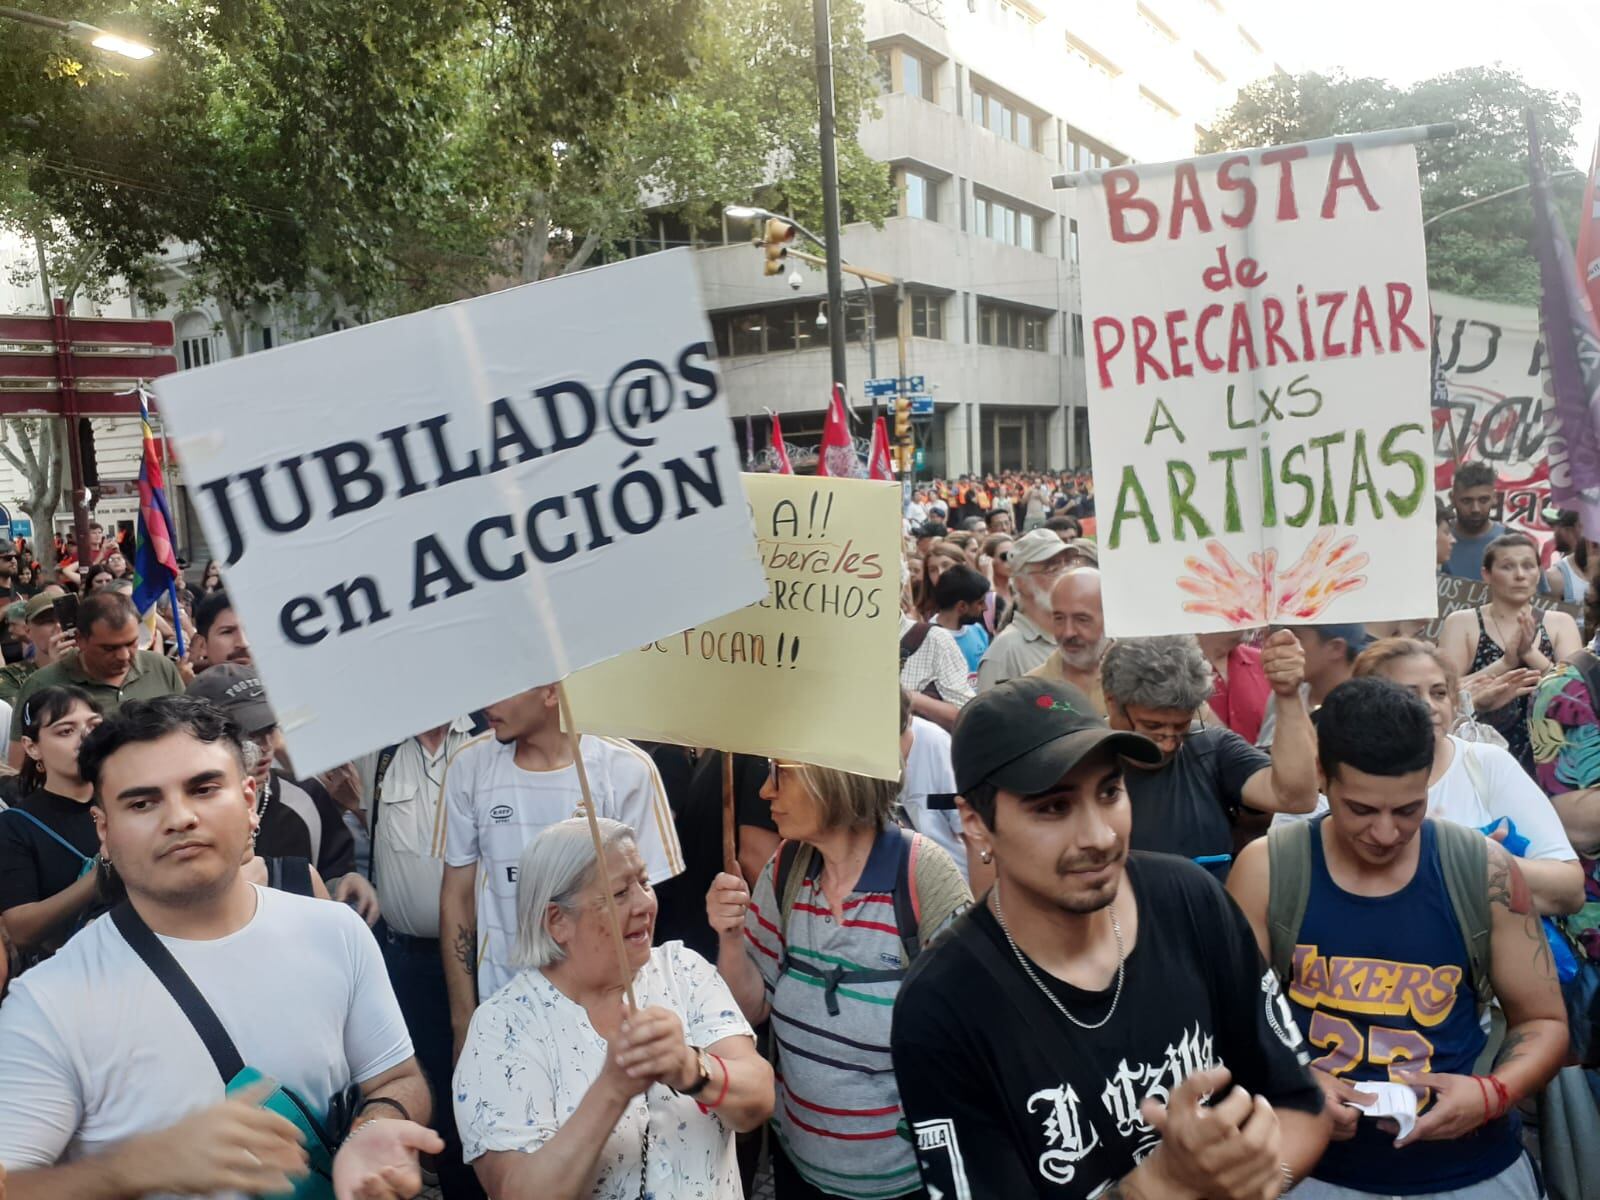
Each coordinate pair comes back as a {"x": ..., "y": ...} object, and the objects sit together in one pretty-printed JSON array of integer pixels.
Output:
[
  {"x": 1489, "y": 404},
  {"x": 1456, "y": 594},
  {"x": 429, "y": 514},
  {"x": 811, "y": 673},
  {"x": 1258, "y": 388}
]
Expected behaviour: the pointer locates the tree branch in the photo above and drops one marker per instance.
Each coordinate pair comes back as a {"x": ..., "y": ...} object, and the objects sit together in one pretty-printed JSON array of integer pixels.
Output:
[{"x": 590, "y": 241}]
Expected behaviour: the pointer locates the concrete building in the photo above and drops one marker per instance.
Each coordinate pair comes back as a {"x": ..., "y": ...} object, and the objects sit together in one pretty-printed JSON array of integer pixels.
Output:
[{"x": 983, "y": 102}]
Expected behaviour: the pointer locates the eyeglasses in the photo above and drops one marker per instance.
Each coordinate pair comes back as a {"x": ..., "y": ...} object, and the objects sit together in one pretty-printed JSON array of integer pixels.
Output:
[{"x": 774, "y": 765}]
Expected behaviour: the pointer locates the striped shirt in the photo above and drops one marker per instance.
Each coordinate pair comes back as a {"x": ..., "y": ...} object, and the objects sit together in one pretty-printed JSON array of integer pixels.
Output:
[
  {"x": 493, "y": 809},
  {"x": 838, "y": 1109}
]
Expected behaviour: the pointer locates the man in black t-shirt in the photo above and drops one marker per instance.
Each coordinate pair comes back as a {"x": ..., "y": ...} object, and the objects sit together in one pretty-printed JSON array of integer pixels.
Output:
[
  {"x": 1062, "y": 1038},
  {"x": 1207, "y": 778}
]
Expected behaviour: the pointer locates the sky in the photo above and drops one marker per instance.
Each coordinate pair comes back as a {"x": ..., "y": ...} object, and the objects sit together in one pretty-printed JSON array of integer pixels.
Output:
[{"x": 1555, "y": 44}]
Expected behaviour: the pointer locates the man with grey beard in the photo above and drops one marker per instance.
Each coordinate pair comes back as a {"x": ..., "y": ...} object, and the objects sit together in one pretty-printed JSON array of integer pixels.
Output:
[{"x": 1079, "y": 625}]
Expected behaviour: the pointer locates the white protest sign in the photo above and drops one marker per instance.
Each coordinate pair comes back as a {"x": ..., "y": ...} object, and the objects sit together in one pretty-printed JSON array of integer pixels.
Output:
[
  {"x": 423, "y": 516},
  {"x": 1258, "y": 377},
  {"x": 1491, "y": 408}
]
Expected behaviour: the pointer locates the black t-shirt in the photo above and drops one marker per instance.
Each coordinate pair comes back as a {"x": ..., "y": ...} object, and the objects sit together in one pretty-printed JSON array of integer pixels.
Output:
[
  {"x": 1184, "y": 808},
  {"x": 694, "y": 789},
  {"x": 302, "y": 817},
  {"x": 1007, "y": 1098},
  {"x": 34, "y": 866}
]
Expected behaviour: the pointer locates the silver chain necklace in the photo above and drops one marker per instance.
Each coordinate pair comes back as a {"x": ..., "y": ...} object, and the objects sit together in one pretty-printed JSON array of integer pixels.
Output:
[{"x": 1027, "y": 967}]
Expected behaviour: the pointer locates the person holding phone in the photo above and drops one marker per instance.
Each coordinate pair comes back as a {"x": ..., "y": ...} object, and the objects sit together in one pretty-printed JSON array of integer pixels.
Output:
[
  {"x": 51, "y": 876},
  {"x": 99, "y": 652},
  {"x": 295, "y": 986}
]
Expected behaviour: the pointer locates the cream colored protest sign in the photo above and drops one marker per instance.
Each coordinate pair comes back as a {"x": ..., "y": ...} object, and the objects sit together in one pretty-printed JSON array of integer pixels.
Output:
[{"x": 809, "y": 673}]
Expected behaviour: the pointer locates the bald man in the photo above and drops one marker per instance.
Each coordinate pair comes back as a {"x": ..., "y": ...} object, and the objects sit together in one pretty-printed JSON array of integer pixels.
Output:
[{"x": 1079, "y": 625}]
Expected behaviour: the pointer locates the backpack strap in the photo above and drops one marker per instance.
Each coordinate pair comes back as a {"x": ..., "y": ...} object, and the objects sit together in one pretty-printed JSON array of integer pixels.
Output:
[
  {"x": 50, "y": 833},
  {"x": 1464, "y": 862},
  {"x": 913, "y": 639},
  {"x": 224, "y": 1054},
  {"x": 1474, "y": 768},
  {"x": 907, "y": 904},
  {"x": 385, "y": 761},
  {"x": 787, "y": 882},
  {"x": 1288, "y": 890}
]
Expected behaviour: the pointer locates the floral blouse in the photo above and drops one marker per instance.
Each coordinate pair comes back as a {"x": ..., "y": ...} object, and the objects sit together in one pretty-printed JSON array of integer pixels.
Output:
[
  {"x": 1565, "y": 732},
  {"x": 531, "y": 1055}
]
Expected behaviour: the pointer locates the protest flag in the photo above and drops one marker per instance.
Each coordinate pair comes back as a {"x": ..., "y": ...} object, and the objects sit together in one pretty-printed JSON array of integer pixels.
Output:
[
  {"x": 879, "y": 466},
  {"x": 1572, "y": 349},
  {"x": 836, "y": 457},
  {"x": 1589, "y": 234},
  {"x": 779, "y": 451},
  {"x": 155, "y": 566}
]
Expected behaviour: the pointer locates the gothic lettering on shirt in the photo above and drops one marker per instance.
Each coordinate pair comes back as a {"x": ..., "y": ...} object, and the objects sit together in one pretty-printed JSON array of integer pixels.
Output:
[{"x": 1063, "y": 1133}]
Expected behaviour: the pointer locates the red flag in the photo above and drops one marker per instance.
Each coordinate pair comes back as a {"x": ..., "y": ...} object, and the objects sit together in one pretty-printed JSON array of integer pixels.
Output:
[
  {"x": 1589, "y": 234},
  {"x": 879, "y": 466},
  {"x": 837, "y": 455},
  {"x": 779, "y": 450}
]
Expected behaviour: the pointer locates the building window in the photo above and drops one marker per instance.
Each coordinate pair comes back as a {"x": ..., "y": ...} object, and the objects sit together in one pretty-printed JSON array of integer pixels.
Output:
[
  {"x": 1077, "y": 334},
  {"x": 1014, "y": 328},
  {"x": 927, "y": 316},
  {"x": 1156, "y": 106},
  {"x": 1208, "y": 73},
  {"x": 1072, "y": 241},
  {"x": 1155, "y": 28},
  {"x": 885, "y": 72},
  {"x": 917, "y": 77},
  {"x": 784, "y": 327},
  {"x": 1085, "y": 154},
  {"x": 1086, "y": 57},
  {"x": 1007, "y": 223},
  {"x": 921, "y": 195},
  {"x": 196, "y": 352},
  {"x": 1005, "y": 118}
]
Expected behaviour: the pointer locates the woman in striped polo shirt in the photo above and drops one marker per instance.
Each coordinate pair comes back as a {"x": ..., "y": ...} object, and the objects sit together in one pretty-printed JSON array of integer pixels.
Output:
[{"x": 845, "y": 904}]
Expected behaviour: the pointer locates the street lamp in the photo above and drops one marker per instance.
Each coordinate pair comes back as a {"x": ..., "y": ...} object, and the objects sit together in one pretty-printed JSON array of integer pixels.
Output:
[{"x": 100, "y": 39}]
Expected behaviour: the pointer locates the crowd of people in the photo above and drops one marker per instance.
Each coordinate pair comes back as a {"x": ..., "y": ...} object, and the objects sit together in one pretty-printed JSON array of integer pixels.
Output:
[{"x": 1309, "y": 909}]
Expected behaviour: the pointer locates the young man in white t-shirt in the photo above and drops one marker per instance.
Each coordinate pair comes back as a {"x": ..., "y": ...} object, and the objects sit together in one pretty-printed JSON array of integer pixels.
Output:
[
  {"x": 501, "y": 791},
  {"x": 109, "y": 1091}
]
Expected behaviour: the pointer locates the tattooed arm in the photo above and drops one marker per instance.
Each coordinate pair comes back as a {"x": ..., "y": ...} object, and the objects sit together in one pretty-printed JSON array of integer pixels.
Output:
[
  {"x": 458, "y": 946},
  {"x": 1524, "y": 977}
]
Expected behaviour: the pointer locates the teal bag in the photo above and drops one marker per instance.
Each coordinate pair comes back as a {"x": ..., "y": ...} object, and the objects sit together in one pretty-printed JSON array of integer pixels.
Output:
[{"x": 319, "y": 1137}]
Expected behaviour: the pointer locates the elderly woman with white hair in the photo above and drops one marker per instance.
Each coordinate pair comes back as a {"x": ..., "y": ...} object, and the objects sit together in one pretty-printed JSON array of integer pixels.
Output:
[
  {"x": 561, "y": 1091},
  {"x": 1208, "y": 775}
]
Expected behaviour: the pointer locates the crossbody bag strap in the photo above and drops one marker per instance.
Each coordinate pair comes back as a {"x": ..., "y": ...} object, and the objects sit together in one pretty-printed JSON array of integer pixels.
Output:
[
  {"x": 28, "y": 816},
  {"x": 166, "y": 969}
]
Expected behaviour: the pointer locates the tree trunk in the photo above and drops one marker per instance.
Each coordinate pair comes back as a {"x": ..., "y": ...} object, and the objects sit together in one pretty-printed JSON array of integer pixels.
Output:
[
  {"x": 232, "y": 326},
  {"x": 40, "y": 466}
]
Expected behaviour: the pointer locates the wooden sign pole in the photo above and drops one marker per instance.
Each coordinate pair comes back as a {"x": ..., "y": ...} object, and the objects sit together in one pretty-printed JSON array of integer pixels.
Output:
[
  {"x": 730, "y": 847},
  {"x": 601, "y": 867}
]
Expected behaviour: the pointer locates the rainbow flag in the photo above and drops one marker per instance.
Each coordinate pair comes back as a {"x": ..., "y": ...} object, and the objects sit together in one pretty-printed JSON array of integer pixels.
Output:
[{"x": 155, "y": 564}]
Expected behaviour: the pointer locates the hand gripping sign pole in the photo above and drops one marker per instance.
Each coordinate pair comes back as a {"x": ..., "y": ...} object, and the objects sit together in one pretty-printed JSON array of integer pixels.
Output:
[{"x": 601, "y": 868}]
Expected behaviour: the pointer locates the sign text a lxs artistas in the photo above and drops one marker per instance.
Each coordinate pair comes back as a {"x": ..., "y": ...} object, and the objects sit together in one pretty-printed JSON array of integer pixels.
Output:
[
  {"x": 425, "y": 515},
  {"x": 1258, "y": 386}
]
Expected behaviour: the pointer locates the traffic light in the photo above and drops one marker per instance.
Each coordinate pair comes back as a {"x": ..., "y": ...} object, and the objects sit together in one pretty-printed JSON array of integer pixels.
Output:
[
  {"x": 779, "y": 234},
  {"x": 902, "y": 420}
]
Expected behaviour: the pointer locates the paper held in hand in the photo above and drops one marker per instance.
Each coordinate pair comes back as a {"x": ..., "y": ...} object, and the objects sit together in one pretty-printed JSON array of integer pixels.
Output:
[{"x": 422, "y": 516}]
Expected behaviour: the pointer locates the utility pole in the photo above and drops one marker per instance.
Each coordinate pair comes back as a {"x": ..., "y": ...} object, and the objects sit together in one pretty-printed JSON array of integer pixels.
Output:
[{"x": 830, "y": 186}]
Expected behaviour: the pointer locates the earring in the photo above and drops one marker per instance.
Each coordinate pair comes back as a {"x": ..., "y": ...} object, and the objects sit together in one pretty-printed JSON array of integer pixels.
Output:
[{"x": 986, "y": 857}]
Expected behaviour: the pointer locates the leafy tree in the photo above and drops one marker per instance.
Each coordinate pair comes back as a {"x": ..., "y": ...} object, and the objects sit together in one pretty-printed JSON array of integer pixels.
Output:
[{"x": 1482, "y": 252}]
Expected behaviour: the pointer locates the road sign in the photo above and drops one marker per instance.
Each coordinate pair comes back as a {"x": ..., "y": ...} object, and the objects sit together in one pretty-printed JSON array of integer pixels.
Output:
[
  {"x": 922, "y": 406},
  {"x": 76, "y": 366},
  {"x": 882, "y": 387},
  {"x": 22, "y": 527},
  {"x": 914, "y": 383},
  {"x": 897, "y": 387}
]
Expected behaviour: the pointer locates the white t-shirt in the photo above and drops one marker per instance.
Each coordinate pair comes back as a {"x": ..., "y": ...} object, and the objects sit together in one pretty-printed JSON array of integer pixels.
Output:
[
  {"x": 93, "y": 1049},
  {"x": 494, "y": 809},
  {"x": 929, "y": 773},
  {"x": 531, "y": 1054},
  {"x": 1508, "y": 792}
]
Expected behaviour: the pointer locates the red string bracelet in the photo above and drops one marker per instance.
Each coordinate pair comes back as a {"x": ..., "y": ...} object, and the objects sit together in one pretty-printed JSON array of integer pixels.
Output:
[
  {"x": 1505, "y": 1097},
  {"x": 1483, "y": 1090},
  {"x": 723, "y": 1094}
]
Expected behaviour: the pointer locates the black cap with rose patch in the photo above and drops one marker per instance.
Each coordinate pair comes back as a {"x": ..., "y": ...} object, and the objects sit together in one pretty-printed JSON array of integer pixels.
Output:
[{"x": 1026, "y": 734}]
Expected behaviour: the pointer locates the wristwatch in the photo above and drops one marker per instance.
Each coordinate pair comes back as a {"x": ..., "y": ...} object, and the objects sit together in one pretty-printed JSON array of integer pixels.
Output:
[{"x": 699, "y": 1085}]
